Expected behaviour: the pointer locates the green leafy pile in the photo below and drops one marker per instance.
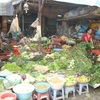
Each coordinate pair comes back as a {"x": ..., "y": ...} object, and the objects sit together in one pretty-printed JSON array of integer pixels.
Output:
[
  {"x": 95, "y": 74},
  {"x": 18, "y": 59},
  {"x": 11, "y": 67},
  {"x": 85, "y": 46},
  {"x": 25, "y": 55},
  {"x": 61, "y": 60},
  {"x": 29, "y": 65},
  {"x": 82, "y": 63}
]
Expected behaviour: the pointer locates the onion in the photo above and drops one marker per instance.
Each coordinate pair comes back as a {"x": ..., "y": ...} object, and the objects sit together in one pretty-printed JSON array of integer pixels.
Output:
[{"x": 24, "y": 77}]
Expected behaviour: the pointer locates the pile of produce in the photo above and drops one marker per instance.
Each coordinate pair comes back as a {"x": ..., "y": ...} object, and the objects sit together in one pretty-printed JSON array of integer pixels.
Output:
[
  {"x": 26, "y": 78},
  {"x": 28, "y": 65},
  {"x": 41, "y": 86},
  {"x": 11, "y": 67},
  {"x": 41, "y": 68},
  {"x": 85, "y": 47},
  {"x": 64, "y": 38},
  {"x": 82, "y": 63},
  {"x": 70, "y": 80},
  {"x": 61, "y": 60},
  {"x": 40, "y": 77},
  {"x": 17, "y": 59},
  {"x": 95, "y": 74},
  {"x": 71, "y": 59},
  {"x": 55, "y": 80},
  {"x": 82, "y": 79}
]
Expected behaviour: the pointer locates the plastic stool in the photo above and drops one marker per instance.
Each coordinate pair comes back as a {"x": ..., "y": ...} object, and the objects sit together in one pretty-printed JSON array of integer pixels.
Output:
[
  {"x": 69, "y": 89},
  {"x": 81, "y": 87},
  {"x": 40, "y": 96},
  {"x": 56, "y": 94}
]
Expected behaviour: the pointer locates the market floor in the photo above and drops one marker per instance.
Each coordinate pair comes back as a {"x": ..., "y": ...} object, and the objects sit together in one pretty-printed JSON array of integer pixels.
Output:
[{"x": 94, "y": 94}]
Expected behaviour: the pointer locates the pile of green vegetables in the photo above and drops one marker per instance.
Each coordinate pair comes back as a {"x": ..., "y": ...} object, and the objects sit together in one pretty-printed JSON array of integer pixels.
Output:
[
  {"x": 74, "y": 59},
  {"x": 82, "y": 63},
  {"x": 11, "y": 67},
  {"x": 95, "y": 74}
]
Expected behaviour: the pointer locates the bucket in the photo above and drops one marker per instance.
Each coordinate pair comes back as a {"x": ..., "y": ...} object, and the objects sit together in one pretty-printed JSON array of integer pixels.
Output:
[{"x": 8, "y": 96}]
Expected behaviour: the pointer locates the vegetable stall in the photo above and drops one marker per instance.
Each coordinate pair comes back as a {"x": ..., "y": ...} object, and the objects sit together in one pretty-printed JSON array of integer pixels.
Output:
[{"x": 62, "y": 58}]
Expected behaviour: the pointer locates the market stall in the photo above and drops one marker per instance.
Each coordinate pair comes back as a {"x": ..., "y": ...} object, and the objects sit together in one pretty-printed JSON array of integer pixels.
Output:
[
  {"x": 64, "y": 65},
  {"x": 59, "y": 57}
]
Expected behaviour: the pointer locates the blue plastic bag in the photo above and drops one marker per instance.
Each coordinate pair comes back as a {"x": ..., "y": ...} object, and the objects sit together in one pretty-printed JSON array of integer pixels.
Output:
[{"x": 16, "y": 33}]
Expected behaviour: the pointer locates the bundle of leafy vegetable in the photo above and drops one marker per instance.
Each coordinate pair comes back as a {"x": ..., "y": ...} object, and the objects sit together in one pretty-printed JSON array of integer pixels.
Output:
[
  {"x": 58, "y": 64},
  {"x": 42, "y": 62},
  {"x": 11, "y": 67},
  {"x": 85, "y": 46},
  {"x": 29, "y": 65},
  {"x": 18, "y": 59},
  {"x": 40, "y": 77},
  {"x": 58, "y": 55},
  {"x": 25, "y": 55},
  {"x": 82, "y": 63},
  {"x": 61, "y": 60},
  {"x": 95, "y": 74}
]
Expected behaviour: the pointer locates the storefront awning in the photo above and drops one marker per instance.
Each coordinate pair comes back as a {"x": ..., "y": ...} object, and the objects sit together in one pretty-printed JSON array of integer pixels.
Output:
[{"x": 82, "y": 2}]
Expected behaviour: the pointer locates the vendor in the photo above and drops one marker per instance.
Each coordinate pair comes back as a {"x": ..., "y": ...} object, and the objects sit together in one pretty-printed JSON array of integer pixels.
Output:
[{"x": 87, "y": 37}]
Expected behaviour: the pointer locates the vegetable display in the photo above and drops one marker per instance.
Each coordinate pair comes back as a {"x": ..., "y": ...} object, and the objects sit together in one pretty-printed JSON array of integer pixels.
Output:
[
  {"x": 70, "y": 80},
  {"x": 41, "y": 86},
  {"x": 56, "y": 80},
  {"x": 82, "y": 63},
  {"x": 95, "y": 74},
  {"x": 82, "y": 79},
  {"x": 11, "y": 67},
  {"x": 72, "y": 59}
]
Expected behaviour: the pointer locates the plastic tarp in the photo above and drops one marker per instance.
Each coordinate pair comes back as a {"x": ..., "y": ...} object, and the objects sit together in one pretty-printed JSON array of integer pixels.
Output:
[
  {"x": 82, "y": 2},
  {"x": 6, "y": 7},
  {"x": 9, "y": 1}
]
